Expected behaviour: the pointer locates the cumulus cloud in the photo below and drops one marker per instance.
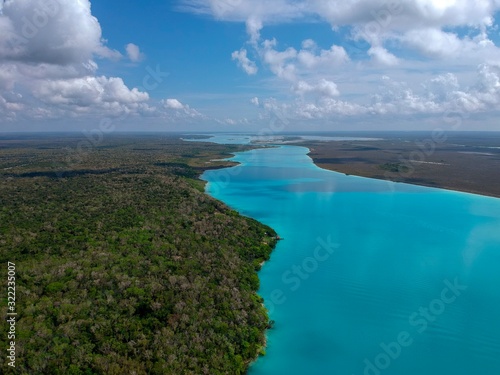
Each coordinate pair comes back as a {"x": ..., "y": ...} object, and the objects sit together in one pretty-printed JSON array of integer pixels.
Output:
[
  {"x": 301, "y": 67},
  {"x": 321, "y": 109},
  {"x": 401, "y": 14},
  {"x": 48, "y": 52},
  {"x": 418, "y": 22},
  {"x": 59, "y": 32},
  {"x": 173, "y": 104},
  {"x": 439, "y": 96},
  {"x": 255, "y": 101},
  {"x": 415, "y": 38},
  {"x": 244, "y": 62},
  {"x": 323, "y": 88},
  {"x": 279, "y": 62},
  {"x": 88, "y": 91},
  {"x": 134, "y": 53},
  {"x": 438, "y": 44},
  {"x": 335, "y": 56},
  {"x": 179, "y": 108},
  {"x": 381, "y": 56}
]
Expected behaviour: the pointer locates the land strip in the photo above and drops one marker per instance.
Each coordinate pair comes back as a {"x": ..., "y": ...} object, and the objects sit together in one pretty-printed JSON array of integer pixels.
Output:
[{"x": 468, "y": 162}]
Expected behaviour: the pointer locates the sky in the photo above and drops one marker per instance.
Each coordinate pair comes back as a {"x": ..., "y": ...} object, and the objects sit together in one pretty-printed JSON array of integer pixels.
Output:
[{"x": 249, "y": 65}]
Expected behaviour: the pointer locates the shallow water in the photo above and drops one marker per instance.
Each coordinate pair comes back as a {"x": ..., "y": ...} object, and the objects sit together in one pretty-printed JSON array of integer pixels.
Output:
[{"x": 372, "y": 277}]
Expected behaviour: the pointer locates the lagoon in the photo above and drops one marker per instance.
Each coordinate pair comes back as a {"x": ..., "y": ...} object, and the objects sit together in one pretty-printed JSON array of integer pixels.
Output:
[{"x": 372, "y": 277}]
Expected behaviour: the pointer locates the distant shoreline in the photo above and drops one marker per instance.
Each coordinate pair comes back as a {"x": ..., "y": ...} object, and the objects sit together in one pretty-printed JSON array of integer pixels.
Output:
[{"x": 459, "y": 164}]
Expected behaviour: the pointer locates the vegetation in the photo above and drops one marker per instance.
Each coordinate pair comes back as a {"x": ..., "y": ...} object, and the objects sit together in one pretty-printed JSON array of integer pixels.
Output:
[
  {"x": 124, "y": 265},
  {"x": 394, "y": 167}
]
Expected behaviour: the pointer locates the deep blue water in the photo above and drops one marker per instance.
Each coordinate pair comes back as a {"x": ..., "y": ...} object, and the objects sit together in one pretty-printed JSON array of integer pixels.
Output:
[{"x": 372, "y": 277}]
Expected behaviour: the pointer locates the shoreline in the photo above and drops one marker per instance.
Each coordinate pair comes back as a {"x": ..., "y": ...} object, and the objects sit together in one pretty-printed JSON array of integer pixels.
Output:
[
  {"x": 457, "y": 164},
  {"x": 353, "y": 172},
  {"x": 262, "y": 350},
  {"x": 441, "y": 165},
  {"x": 409, "y": 182}
]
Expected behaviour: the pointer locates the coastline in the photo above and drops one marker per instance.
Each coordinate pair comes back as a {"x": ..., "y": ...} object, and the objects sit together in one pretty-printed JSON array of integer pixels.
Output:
[
  {"x": 444, "y": 166},
  {"x": 261, "y": 350},
  {"x": 456, "y": 162},
  {"x": 410, "y": 181}
]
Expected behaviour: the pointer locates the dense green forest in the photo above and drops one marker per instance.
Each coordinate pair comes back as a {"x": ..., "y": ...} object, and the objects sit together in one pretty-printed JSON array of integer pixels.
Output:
[{"x": 123, "y": 264}]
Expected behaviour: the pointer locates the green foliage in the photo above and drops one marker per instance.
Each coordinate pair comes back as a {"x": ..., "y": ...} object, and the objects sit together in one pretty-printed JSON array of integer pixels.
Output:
[{"x": 134, "y": 270}]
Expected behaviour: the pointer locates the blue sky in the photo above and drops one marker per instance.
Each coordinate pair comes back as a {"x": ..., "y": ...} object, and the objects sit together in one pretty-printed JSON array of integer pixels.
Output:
[{"x": 231, "y": 65}]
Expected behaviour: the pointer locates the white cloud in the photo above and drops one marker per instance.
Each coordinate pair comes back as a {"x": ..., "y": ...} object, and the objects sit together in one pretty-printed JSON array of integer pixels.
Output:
[
  {"x": 58, "y": 32},
  {"x": 303, "y": 68},
  {"x": 49, "y": 49},
  {"x": 335, "y": 56},
  {"x": 244, "y": 62},
  {"x": 441, "y": 94},
  {"x": 259, "y": 11},
  {"x": 438, "y": 96},
  {"x": 87, "y": 91},
  {"x": 179, "y": 108},
  {"x": 323, "y": 88},
  {"x": 383, "y": 57},
  {"x": 309, "y": 44},
  {"x": 417, "y": 22},
  {"x": 48, "y": 52},
  {"x": 438, "y": 44},
  {"x": 253, "y": 26},
  {"x": 173, "y": 104},
  {"x": 134, "y": 53},
  {"x": 48, "y": 69},
  {"x": 414, "y": 38},
  {"x": 255, "y": 101},
  {"x": 279, "y": 62},
  {"x": 433, "y": 42}
]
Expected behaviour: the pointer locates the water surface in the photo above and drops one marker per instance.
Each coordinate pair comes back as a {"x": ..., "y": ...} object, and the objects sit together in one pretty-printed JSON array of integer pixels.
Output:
[{"x": 372, "y": 277}]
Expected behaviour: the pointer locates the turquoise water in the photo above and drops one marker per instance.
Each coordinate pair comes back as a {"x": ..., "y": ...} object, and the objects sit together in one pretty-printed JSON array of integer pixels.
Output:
[
  {"x": 227, "y": 139},
  {"x": 372, "y": 277}
]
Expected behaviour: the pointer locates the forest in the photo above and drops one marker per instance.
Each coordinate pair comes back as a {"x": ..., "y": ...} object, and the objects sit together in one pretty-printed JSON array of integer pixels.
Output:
[{"x": 123, "y": 264}]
